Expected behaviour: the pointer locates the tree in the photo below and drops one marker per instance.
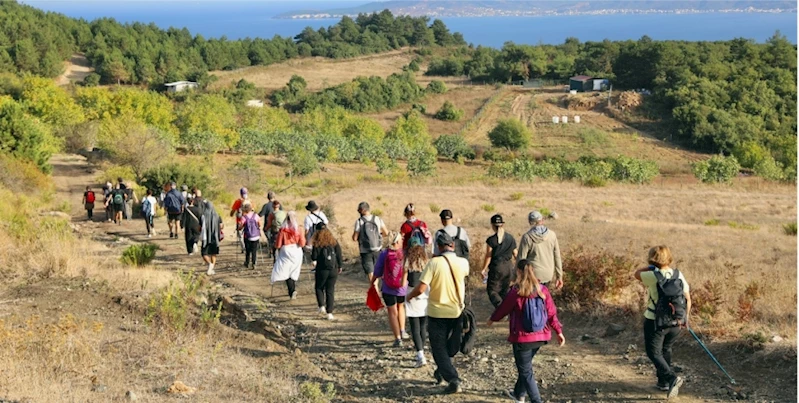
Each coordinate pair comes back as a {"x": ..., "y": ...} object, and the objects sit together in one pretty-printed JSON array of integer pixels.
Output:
[
  {"x": 44, "y": 99},
  {"x": 436, "y": 87},
  {"x": 410, "y": 130},
  {"x": 511, "y": 134},
  {"x": 133, "y": 144},
  {"x": 25, "y": 137},
  {"x": 717, "y": 169},
  {"x": 449, "y": 112},
  {"x": 422, "y": 161},
  {"x": 209, "y": 117}
]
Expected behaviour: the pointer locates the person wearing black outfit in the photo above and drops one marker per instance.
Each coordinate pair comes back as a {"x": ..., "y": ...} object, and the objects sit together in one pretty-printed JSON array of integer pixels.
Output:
[
  {"x": 326, "y": 254},
  {"x": 499, "y": 257},
  {"x": 190, "y": 222}
]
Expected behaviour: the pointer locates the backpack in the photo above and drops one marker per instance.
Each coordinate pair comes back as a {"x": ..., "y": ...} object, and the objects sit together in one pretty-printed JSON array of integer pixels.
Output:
[
  {"x": 670, "y": 308},
  {"x": 172, "y": 202},
  {"x": 313, "y": 227},
  {"x": 89, "y": 197},
  {"x": 251, "y": 229},
  {"x": 418, "y": 236},
  {"x": 369, "y": 237},
  {"x": 146, "y": 207},
  {"x": 392, "y": 269},
  {"x": 534, "y": 314},
  {"x": 278, "y": 217},
  {"x": 119, "y": 199},
  {"x": 328, "y": 255},
  {"x": 461, "y": 247}
]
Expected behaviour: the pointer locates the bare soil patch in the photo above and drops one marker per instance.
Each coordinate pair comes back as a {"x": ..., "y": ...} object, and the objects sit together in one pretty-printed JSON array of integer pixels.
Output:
[{"x": 75, "y": 70}]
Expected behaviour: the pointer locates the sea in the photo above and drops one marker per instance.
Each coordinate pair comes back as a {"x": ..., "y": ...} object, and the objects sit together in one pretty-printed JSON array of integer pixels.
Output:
[{"x": 235, "y": 20}]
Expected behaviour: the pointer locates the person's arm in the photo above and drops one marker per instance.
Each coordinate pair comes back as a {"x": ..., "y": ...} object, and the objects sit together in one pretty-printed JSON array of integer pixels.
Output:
[
  {"x": 383, "y": 228},
  {"x": 688, "y": 307},
  {"x": 356, "y": 230},
  {"x": 379, "y": 266},
  {"x": 417, "y": 291},
  {"x": 301, "y": 241},
  {"x": 552, "y": 318},
  {"x": 638, "y": 272},
  {"x": 339, "y": 257},
  {"x": 135, "y": 199},
  {"x": 436, "y": 252},
  {"x": 465, "y": 237},
  {"x": 314, "y": 253},
  {"x": 486, "y": 261},
  {"x": 504, "y": 309},
  {"x": 558, "y": 266}
]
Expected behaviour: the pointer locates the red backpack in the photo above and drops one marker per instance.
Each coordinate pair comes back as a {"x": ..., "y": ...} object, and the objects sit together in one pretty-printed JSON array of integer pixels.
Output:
[
  {"x": 392, "y": 269},
  {"x": 90, "y": 197}
]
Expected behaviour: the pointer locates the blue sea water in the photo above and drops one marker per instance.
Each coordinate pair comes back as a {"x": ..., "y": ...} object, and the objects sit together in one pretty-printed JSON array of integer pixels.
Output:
[{"x": 254, "y": 19}]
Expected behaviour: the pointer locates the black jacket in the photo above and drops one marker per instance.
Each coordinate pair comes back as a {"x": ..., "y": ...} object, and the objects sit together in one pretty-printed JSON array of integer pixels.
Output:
[{"x": 318, "y": 255}]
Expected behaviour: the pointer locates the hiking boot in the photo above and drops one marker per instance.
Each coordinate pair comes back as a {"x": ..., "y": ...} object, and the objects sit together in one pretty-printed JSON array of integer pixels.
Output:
[
  {"x": 453, "y": 387},
  {"x": 294, "y": 295},
  {"x": 662, "y": 386},
  {"x": 330, "y": 317},
  {"x": 397, "y": 343},
  {"x": 674, "y": 387},
  {"x": 322, "y": 310},
  {"x": 420, "y": 361}
]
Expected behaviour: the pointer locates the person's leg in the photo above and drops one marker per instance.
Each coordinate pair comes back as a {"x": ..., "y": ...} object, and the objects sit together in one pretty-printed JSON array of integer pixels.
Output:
[
  {"x": 493, "y": 286},
  {"x": 330, "y": 290},
  {"x": 392, "y": 321},
  {"x": 255, "y": 245},
  {"x": 506, "y": 275},
  {"x": 401, "y": 315},
  {"x": 440, "y": 330},
  {"x": 247, "y": 252},
  {"x": 320, "y": 277},
  {"x": 423, "y": 323},
  {"x": 653, "y": 341},
  {"x": 523, "y": 354},
  {"x": 669, "y": 337},
  {"x": 416, "y": 333},
  {"x": 291, "y": 285},
  {"x": 90, "y": 212}
]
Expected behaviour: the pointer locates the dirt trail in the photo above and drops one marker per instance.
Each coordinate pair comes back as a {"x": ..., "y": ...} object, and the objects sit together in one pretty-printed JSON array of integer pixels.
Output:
[
  {"x": 76, "y": 69},
  {"x": 355, "y": 352}
]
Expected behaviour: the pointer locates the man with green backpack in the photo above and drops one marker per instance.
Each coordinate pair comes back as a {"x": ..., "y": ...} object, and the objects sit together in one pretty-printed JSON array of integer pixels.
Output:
[
  {"x": 273, "y": 223},
  {"x": 117, "y": 202}
]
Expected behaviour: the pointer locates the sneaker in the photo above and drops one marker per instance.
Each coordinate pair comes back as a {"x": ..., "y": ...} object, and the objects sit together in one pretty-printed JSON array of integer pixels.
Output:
[
  {"x": 662, "y": 386},
  {"x": 330, "y": 316},
  {"x": 246, "y": 265},
  {"x": 452, "y": 388},
  {"x": 322, "y": 310},
  {"x": 171, "y": 235},
  {"x": 420, "y": 361},
  {"x": 294, "y": 295},
  {"x": 439, "y": 379},
  {"x": 510, "y": 394},
  {"x": 149, "y": 235},
  {"x": 397, "y": 343},
  {"x": 674, "y": 387},
  {"x": 210, "y": 272},
  {"x": 405, "y": 335},
  {"x": 313, "y": 270}
]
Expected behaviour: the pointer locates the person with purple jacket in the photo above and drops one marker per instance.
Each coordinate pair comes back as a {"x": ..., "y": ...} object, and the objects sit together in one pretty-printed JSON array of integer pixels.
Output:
[
  {"x": 526, "y": 344},
  {"x": 390, "y": 267}
]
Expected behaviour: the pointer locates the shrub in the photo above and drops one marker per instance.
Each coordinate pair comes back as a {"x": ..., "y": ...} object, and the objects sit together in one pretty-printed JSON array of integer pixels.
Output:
[
  {"x": 302, "y": 162},
  {"x": 313, "y": 392},
  {"x": 171, "y": 307},
  {"x": 595, "y": 181},
  {"x": 716, "y": 169},
  {"x": 488, "y": 208},
  {"x": 449, "y": 112},
  {"x": 789, "y": 229},
  {"x": 377, "y": 212},
  {"x": 733, "y": 224},
  {"x": 192, "y": 173},
  {"x": 769, "y": 169},
  {"x": 593, "y": 277},
  {"x": 436, "y": 87},
  {"x": 422, "y": 108},
  {"x": 139, "y": 254},
  {"x": 516, "y": 196},
  {"x": 632, "y": 170},
  {"x": 747, "y": 300},
  {"x": 422, "y": 161},
  {"x": 511, "y": 134},
  {"x": 413, "y": 66},
  {"x": 386, "y": 166},
  {"x": 435, "y": 208},
  {"x": 706, "y": 300},
  {"x": 91, "y": 80},
  {"x": 712, "y": 222},
  {"x": 453, "y": 146}
]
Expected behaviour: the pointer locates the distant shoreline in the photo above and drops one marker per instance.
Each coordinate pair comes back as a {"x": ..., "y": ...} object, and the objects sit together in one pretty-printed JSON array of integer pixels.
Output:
[{"x": 325, "y": 16}]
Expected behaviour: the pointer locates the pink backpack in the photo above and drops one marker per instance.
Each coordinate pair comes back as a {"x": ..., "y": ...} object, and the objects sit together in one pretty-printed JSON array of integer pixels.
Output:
[{"x": 392, "y": 269}]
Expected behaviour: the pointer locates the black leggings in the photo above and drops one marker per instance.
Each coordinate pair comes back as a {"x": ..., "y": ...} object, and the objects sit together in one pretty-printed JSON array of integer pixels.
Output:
[
  {"x": 251, "y": 249},
  {"x": 499, "y": 279},
  {"x": 419, "y": 332},
  {"x": 326, "y": 288},
  {"x": 292, "y": 286}
]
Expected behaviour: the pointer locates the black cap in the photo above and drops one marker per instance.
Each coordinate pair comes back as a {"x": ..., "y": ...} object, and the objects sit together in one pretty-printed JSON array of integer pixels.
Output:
[
  {"x": 320, "y": 226},
  {"x": 442, "y": 238},
  {"x": 312, "y": 206},
  {"x": 445, "y": 214},
  {"x": 496, "y": 219}
]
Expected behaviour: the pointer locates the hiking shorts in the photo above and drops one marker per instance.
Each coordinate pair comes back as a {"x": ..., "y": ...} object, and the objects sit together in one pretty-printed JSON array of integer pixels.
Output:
[
  {"x": 210, "y": 250},
  {"x": 392, "y": 300},
  {"x": 118, "y": 208},
  {"x": 368, "y": 261},
  {"x": 173, "y": 217}
]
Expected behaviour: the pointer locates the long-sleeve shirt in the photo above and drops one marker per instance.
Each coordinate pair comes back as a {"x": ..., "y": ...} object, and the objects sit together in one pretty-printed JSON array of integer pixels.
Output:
[
  {"x": 287, "y": 237},
  {"x": 513, "y": 304},
  {"x": 318, "y": 256},
  {"x": 540, "y": 247}
]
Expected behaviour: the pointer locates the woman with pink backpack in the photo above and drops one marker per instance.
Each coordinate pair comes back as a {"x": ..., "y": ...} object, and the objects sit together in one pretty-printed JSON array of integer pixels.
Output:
[
  {"x": 250, "y": 226},
  {"x": 391, "y": 268}
]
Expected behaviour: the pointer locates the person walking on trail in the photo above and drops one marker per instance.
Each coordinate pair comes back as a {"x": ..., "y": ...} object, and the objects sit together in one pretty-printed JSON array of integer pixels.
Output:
[
  {"x": 414, "y": 231},
  {"x": 369, "y": 232},
  {"x": 539, "y": 245},
  {"x": 533, "y": 317},
  {"x": 117, "y": 203},
  {"x": 458, "y": 234},
  {"x": 109, "y": 208},
  {"x": 210, "y": 234},
  {"x": 668, "y": 307},
  {"x": 174, "y": 205},
  {"x": 290, "y": 241},
  {"x": 266, "y": 210},
  {"x": 498, "y": 268},
  {"x": 326, "y": 252},
  {"x": 445, "y": 277},
  {"x": 390, "y": 268},
  {"x": 235, "y": 210},
  {"x": 273, "y": 223},
  {"x": 191, "y": 222},
  {"x": 88, "y": 201},
  {"x": 315, "y": 216},
  {"x": 251, "y": 231},
  {"x": 148, "y": 206},
  {"x": 130, "y": 198},
  {"x": 416, "y": 309}
]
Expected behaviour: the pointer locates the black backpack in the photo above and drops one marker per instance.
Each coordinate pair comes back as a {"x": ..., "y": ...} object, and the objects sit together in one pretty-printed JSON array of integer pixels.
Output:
[
  {"x": 671, "y": 306},
  {"x": 461, "y": 247},
  {"x": 327, "y": 258}
]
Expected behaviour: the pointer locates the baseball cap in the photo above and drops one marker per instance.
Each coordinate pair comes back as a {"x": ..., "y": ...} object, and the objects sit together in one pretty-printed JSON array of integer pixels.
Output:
[
  {"x": 363, "y": 206},
  {"x": 535, "y": 216},
  {"x": 446, "y": 214},
  {"x": 497, "y": 219},
  {"x": 243, "y": 191},
  {"x": 442, "y": 238}
]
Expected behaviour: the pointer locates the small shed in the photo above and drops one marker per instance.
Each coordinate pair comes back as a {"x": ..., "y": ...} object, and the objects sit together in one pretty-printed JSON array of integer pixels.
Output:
[
  {"x": 179, "y": 86},
  {"x": 601, "y": 84},
  {"x": 581, "y": 83},
  {"x": 255, "y": 103}
]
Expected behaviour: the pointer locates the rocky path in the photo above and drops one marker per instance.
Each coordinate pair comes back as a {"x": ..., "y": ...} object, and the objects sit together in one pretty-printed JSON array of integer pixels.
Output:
[{"x": 354, "y": 351}]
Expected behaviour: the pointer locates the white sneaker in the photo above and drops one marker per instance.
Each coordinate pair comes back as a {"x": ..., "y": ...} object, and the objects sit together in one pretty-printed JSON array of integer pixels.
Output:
[
  {"x": 420, "y": 361},
  {"x": 330, "y": 316},
  {"x": 294, "y": 295},
  {"x": 405, "y": 335},
  {"x": 322, "y": 310},
  {"x": 210, "y": 272},
  {"x": 149, "y": 235}
]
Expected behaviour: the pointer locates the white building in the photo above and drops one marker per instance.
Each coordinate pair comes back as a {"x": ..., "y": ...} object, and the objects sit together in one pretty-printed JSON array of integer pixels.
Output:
[
  {"x": 255, "y": 103},
  {"x": 178, "y": 86}
]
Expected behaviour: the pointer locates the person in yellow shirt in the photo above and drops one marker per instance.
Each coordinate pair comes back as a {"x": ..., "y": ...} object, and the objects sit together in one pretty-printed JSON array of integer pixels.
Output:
[{"x": 445, "y": 277}]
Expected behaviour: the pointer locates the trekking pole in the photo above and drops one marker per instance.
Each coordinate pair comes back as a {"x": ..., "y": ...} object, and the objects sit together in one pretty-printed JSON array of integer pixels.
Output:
[{"x": 732, "y": 381}]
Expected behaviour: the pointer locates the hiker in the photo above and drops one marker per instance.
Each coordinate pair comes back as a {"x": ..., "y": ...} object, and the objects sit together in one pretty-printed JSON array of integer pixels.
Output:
[
  {"x": 327, "y": 254},
  {"x": 109, "y": 208},
  {"x": 445, "y": 276},
  {"x": 533, "y": 317},
  {"x": 458, "y": 234},
  {"x": 390, "y": 268},
  {"x": 539, "y": 245},
  {"x": 315, "y": 216},
  {"x": 173, "y": 204},
  {"x": 117, "y": 202},
  {"x": 130, "y": 198},
  {"x": 88, "y": 201},
  {"x": 184, "y": 191},
  {"x": 235, "y": 210},
  {"x": 210, "y": 234},
  {"x": 498, "y": 264},
  {"x": 251, "y": 231},
  {"x": 414, "y": 231},
  {"x": 416, "y": 309},
  {"x": 289, "y": 243},
  {"x": 148, "y": 206},
  {"x": 191, "y": 222},
  {"x": 266, "y": 210},
  {"x": 369, "y": 232},
  {"x": 273, "y": 223},
  {"x": 665, "y": 315}
]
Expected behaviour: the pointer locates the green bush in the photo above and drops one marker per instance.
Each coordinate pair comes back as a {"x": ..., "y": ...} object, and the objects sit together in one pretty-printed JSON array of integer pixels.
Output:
[
  {"x": 633, "y": 170},
  {"x": 302, "y": 162},
  {"x": 422, "y": 161},
  {"x": 139, "y": 254},
  {"x": 789, "y": 229},
  {"x": 717, "y": 169},
  {"x": 91, "y": 80},
  {"x": 769, "y": 169},
  {"x": 449, "y": 112},
  {"x": 313, "y": 392},
  {"x": 453, "y": 146},
  {"x": 594, "y": 181},
  {"x": 436, "y": 87},
  {"x": 590, "y": 171},
  {"x": 511, "y": 134},
  {"x": 192, "y": 173}
]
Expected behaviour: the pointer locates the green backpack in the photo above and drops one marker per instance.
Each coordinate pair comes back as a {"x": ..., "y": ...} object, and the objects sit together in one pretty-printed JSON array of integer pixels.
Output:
[
  {"x": 118, "y": 198},
  {"x": 278, "y": 219}
]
